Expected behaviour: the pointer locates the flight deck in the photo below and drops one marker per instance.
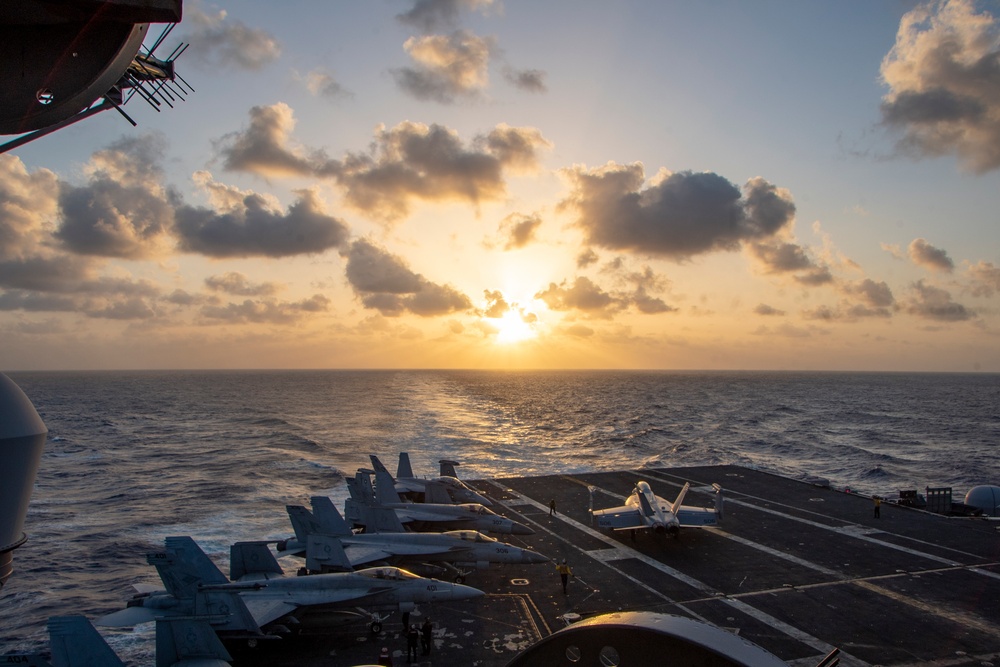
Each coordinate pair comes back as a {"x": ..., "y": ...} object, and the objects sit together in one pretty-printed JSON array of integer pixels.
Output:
[{"x": 795, "y": 568}]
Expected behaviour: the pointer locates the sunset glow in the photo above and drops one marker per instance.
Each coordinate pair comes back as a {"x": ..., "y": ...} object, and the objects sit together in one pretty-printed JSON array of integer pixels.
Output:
[{"x": 468, "y": 184}]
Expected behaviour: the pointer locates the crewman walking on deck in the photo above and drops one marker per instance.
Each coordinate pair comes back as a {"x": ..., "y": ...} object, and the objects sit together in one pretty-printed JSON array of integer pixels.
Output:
[
  {"x": 552, "y": 507},
  {"x": 426, "y": 636},
  {"x": 564, "y": 571},
  {"x": 412, "y": 641},
  {"x": 878, "y": 506}
]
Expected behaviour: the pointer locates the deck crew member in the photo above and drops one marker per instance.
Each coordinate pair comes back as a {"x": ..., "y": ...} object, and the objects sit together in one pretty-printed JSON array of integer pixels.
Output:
[{"x": 564, "y": 571}]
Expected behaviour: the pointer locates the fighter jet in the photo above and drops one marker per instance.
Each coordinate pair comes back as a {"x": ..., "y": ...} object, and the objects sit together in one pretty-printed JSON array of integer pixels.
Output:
[
  {"x": 180, "y": 642},
  {"x": 646, "y": 510},
  {"x": 447, "y": 488},
  {"x": 420, "y": 516},
  {"x": 270, "y": 602},
  {"x": 458, "y": 551}
]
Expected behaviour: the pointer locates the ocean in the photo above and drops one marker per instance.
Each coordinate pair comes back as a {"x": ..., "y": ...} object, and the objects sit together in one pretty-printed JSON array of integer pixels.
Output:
[{"x": 133, "y": 457}]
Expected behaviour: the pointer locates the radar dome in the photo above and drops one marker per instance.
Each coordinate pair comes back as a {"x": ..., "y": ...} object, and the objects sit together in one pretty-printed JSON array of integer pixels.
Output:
[{"x": 986, "y": 498}]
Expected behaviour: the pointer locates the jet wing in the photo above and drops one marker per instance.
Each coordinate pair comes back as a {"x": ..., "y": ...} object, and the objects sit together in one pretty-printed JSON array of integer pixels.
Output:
[
  {"x": 267, "y": 610},
  {"x": 363, "y": 554},
  {"x": 620, "y": 518},
  {"x": 417, "y": 514},
  {"x": 696, "y": 517},
  {"x": 359, "y": 554}
]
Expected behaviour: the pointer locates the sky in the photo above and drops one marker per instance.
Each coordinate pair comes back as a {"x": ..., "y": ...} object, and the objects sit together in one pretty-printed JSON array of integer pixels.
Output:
[{"x": 776, "y": 185}]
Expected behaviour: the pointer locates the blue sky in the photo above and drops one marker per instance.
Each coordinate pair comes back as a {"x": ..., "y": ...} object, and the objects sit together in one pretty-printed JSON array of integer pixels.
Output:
[{"x": 464, "y": 183}]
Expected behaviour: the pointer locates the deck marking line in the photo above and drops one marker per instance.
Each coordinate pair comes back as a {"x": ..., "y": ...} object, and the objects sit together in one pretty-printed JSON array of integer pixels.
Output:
[
  {"x": 955, "y": 616},
  {"x": 600, "y": 552},
  {"x": 763, "y": 617},
  {"x": 851, "y": 530},
  {"x": 845, "y": 529}
]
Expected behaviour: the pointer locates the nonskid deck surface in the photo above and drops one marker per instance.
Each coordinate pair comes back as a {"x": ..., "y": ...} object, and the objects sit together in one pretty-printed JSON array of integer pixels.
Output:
[{"x": 794, "y": 568}]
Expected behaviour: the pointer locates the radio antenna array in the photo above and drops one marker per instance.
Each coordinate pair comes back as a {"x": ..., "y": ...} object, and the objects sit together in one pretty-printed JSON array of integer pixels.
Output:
[{"x": 155, "y": 80}]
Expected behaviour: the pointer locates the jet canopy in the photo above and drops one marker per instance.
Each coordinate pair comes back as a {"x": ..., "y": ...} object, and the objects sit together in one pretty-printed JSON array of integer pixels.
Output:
[
  {"x": 470, "y": 535},
  {"x": 476, "y": 508},
  {"x": 387, "y": 573}
]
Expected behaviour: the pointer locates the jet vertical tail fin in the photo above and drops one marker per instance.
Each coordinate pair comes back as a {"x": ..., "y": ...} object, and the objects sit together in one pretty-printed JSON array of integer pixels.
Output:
[
  {"x": 448, "y": 468},
  {"x": 385, "y": 489},
  {"x": 435, "y": 492},
  {"x": 325, "y": 553},
  {"x": 328, "y": 519},
  {"x": 182, "y": 566},
  {"x": 226, "y": 612},
  {"x": 75, "y": 643},
  {"x": 303, "y": 522},
  {"x": 252, "y": 558},
  {"x": 403, "y": 470},
  {"x": 676, "y": 507},
  {"x": 377, "y": 464},
  {"x": 355, "y": 488},
  {"x": 185, "y": 639},
  {"x": 644, "y": 507},
  {"x": 383, "y": 520}
]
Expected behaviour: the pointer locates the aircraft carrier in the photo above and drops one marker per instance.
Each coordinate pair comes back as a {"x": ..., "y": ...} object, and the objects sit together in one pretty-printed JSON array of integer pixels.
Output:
[{"x": 795, "y": 568}]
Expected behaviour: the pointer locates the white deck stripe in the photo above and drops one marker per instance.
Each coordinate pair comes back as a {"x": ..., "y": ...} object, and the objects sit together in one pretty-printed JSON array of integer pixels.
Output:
[{"x": 627, "y": 552}]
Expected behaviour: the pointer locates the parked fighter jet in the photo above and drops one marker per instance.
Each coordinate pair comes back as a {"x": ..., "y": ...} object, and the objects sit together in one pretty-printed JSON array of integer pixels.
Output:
[
  {"x": 420, "y": 516},
  {"x": 453, "y": 550},
  {"x": 180, "y": 642},
  {"x": 645, "y": 510},
  {"x": 273, "y": 602},
  {"x": 447, "y": 488}
]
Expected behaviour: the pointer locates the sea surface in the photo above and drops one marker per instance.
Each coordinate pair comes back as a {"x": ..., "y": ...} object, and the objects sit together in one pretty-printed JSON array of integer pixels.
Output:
[{"x": 133, "y": 457}]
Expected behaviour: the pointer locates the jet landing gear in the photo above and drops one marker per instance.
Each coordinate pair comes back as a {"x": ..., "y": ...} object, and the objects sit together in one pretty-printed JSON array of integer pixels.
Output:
[
  {"x": 376, "y": 622},
  {"x": 458, "y": 575}
]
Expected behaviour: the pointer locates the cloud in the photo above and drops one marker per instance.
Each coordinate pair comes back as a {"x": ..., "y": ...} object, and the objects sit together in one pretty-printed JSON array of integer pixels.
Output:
[
  {"x": 28, "y": 202},
  {"x": 321, "y": 83},
  {"x": 123, "y": 210},
  {"x": 645, "y": 281},
  {"x": 385, "y": 283},
  {"x": 405, "y": 162},
  {"x": 894, "y": 250},
  {"x": 875, "y": 294},
  {"x": 677, "y": 216},
  {"x": 517, "y": 230},
  {"x": 583, "y": 295},
  {"x": 448, "y": 67},
  {"x": 430, "y": 15},
  {"x": 528, "y": 80},
  {"x": 778, "y": 257},
  {"x": 586, "y": 258},
  {"x": 267, "y": 311},
  {"x": 767, "y": 311},
  {"x": 430, "y": 162},
  {"x": 496, "y": 304},
  {"x": 924, "y": 254},
  {"x": 234, "y": 282},
  {"x": 254, "y": 229},
  {"x": 263, "y": 147},
  {"x": 985, "y": 278},
  {"x": 943, "y": 75},
  {"x": 217, "y": 41},
  {"x": 934, "y": 303}
]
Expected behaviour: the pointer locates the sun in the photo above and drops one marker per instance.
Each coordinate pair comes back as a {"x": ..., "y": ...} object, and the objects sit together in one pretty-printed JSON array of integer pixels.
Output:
[{"x": 511, "y": 328}]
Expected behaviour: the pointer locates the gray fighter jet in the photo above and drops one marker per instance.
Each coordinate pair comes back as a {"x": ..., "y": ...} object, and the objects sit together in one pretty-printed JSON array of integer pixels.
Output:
[
  {"x": 420, "y": 516},
  {"x": 269, "y": 603},
  {"x": 446, "y": 489},
  {"x": 180, "y": 642},
  {"x": 458, "y": 551}
]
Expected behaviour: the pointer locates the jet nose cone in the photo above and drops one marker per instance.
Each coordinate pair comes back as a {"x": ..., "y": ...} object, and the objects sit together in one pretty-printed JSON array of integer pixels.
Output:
[
  {"x": 520, "y": 529},
  {"x": 462, "y": 592},
  {"x": 532, "y": 557}
]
